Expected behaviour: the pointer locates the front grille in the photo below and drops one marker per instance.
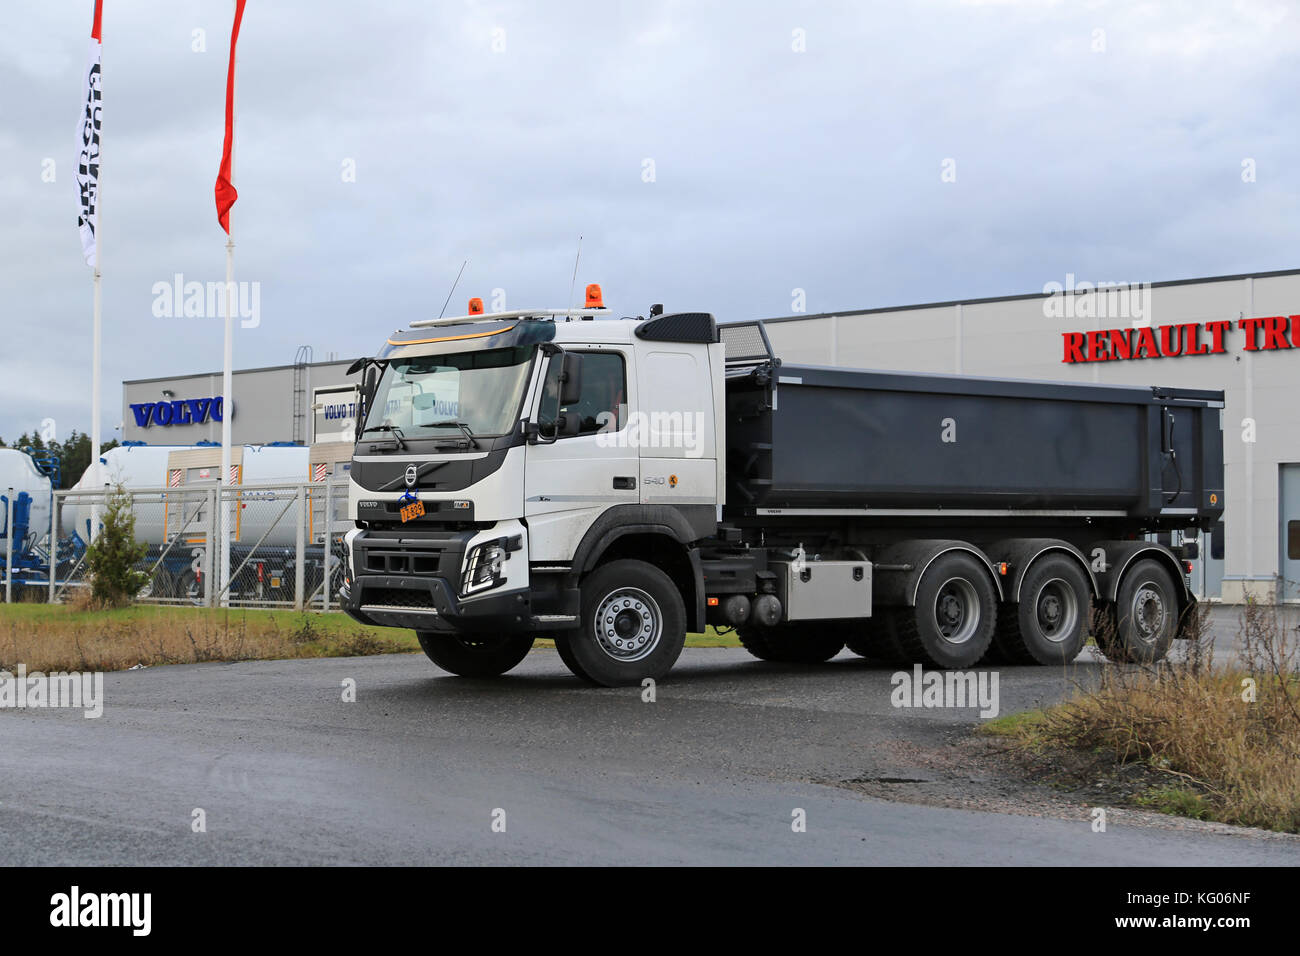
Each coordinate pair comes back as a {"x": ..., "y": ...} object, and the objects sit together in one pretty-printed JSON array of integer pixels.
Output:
[
  {"x": 402, "y": 562},
  {"x": 398, "y": 597}
]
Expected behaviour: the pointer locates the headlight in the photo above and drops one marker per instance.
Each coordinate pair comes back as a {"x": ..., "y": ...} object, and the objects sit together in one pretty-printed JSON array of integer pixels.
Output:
[{"x": 483, "y": 570}]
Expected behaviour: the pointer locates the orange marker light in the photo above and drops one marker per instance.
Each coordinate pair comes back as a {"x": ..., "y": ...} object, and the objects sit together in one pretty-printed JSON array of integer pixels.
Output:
[
  {"x": 1002, "y": 569},
  {"x": 713, "y": 602},
  {"x": 476, "y": 306},
  {"x": 594, "y": 298}
]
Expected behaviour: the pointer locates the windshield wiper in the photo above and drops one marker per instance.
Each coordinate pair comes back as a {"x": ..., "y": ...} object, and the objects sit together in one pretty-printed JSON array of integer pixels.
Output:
[
  {"x": 398, "y": 437},
  {"x": 462, "y": 426}
]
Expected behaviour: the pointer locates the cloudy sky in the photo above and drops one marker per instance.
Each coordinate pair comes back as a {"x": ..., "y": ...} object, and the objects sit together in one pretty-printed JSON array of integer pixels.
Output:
[{"x": 713, "y": 155}]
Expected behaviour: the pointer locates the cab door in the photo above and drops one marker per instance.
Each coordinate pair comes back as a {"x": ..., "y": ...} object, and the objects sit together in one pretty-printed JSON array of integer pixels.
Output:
[{"x": 591, "y": 466}]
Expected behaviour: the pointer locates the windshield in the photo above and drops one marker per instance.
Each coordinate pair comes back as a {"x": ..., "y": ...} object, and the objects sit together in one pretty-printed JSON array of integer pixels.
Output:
[{"x": 441, "y": 395}]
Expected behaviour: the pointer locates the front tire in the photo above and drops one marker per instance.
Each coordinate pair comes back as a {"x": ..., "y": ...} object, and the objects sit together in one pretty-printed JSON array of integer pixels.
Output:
[
  {"x": 632, "y": 626},
  {"x": 469, "y": 654}
]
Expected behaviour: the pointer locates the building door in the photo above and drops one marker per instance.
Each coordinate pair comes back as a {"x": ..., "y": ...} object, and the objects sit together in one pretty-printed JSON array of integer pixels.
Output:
[{"x": 1289, "y": 533}]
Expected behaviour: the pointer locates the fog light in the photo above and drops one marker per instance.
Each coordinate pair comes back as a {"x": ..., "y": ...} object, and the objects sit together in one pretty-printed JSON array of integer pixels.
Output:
[{"x": 483, "y": 570}]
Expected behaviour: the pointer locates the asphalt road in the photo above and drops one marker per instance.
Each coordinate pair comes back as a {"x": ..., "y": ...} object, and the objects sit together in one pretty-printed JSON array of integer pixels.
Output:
[{"x": 412, "y": 772}]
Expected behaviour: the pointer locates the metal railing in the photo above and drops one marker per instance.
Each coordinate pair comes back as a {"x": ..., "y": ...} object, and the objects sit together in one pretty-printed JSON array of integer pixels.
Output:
[{"x": 286, "y": 544}]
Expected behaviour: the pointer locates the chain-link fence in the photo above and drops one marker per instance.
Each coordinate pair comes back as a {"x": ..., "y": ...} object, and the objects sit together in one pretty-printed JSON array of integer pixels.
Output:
[{"x": 286, "y": 544}]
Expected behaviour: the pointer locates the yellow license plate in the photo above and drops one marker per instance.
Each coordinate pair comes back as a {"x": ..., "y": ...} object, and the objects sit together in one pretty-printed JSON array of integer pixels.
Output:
[{"x": 412, "y": 511}]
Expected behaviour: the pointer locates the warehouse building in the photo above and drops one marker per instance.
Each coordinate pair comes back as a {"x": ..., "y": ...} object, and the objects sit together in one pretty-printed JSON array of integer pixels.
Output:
[{"x": 1233, "y": 333}]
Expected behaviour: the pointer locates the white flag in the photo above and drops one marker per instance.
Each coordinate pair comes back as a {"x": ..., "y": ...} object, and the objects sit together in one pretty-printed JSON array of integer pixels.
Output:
[{"x": 88, "y": 147}]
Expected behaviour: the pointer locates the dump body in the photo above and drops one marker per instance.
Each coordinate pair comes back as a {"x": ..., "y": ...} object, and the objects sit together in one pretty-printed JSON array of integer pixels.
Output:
[{"x": 828, "y": 438}]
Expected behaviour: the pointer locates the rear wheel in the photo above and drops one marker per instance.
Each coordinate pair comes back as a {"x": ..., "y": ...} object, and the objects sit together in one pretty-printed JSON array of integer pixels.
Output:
[
  {"x": 873, "y": 638},
  {"x": 1048, "y": 624},
  {"x": 805, "y": 643},
  {"x": 189, "y": 588},
  {"x": 1144, "y": 617},
  {"x": 471, "y": 654},
  {"x": 951, "y": 624},
  {"x": 632, "y": 625}
]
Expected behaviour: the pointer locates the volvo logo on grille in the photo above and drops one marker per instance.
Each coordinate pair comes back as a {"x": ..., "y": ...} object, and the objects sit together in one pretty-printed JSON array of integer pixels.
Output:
[{"x": 412, "y": 473}]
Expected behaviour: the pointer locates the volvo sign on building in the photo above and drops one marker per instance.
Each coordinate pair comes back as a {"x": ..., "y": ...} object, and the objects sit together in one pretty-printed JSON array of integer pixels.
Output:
[{"x": 303, "y": 404}]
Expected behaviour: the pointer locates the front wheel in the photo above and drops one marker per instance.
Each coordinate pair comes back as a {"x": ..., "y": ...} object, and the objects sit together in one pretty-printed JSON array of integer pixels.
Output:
[
  {"x": 474, "y": 655},
  {"x": 632, "y": 626}
]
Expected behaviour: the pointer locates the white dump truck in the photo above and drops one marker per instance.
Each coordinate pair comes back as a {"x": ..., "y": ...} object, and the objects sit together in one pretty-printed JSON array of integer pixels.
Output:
[{"x": 616, "y": 483}]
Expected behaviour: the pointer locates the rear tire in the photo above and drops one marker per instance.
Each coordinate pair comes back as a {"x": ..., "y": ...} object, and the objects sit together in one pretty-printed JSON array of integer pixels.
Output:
[
  {"x": 1049, "y": 623},
  {"x": 468, "y": 654},
  {"x": 189, "y": 588},
  {"x": 1146, "y": 616},
  {"x": 632, "y": 625},
  {"x": 802, "y": 643},
  {"x": 952, "y": 623},
  {"x": 873, "y": 638}
]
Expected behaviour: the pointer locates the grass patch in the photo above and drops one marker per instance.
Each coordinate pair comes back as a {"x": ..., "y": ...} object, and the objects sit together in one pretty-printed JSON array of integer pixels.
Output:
[
  {"x": 56, "y": 637},
  {"x": 1176, "y": 801},
  {"x": 1224, "y": 741},
  {"x": 1026, "y": 725}
]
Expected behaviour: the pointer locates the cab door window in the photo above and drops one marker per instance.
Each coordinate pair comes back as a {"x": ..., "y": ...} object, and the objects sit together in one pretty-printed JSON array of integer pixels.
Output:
[{"x": 602, "y": 405}]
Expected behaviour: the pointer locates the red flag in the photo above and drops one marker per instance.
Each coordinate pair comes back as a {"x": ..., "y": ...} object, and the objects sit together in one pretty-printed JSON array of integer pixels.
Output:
[{"x": 226, "y": 193}]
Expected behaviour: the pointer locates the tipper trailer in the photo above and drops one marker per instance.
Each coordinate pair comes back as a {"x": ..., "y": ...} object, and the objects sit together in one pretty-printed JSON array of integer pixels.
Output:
[{"x": 615, "y": 484}]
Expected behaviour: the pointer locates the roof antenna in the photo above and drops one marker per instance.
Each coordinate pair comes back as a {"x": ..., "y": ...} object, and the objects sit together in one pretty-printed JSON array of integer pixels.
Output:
[
  {"x": 576, "y": 260},
  {"x": 453, "y": 287}
]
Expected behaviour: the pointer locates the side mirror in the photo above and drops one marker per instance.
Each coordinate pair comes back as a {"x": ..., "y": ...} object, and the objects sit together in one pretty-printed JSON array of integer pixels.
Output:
[
  {"x": 570, "y": 379},
  {"x": 570, "y": 424},
  {"x": 368, "y": 388}
]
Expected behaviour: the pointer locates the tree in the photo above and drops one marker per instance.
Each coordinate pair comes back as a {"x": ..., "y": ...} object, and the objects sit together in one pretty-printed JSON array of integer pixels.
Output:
[{"x": 112, "y": 557}]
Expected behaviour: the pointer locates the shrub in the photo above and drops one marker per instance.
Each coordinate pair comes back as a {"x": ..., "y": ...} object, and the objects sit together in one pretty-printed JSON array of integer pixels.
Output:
[{"x": 112, "y": 557}]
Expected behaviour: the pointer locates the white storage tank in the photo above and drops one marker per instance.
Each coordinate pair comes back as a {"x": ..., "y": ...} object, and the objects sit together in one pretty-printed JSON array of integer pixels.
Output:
[
  {"x": 19, "y": 473},
  {"x": 151, "y": 466}
]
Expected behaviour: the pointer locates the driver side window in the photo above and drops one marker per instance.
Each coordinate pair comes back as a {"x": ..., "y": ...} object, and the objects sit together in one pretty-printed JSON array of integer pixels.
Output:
[{"x": 602, "y": 405}]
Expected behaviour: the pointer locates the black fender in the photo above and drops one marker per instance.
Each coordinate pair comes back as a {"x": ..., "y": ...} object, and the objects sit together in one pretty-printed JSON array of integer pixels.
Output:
[
  {"x": 663, "y": 520},
  {"x": 897, "y": 569},
  {"x": 1119, "y": 556},
  {"x": 1020, "y": 555}
]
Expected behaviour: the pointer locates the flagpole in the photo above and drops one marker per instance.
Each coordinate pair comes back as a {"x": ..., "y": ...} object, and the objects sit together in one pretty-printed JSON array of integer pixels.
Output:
[
  {"x": 227, "y": 374},
  {"x": 97, "y": 352},
  {"x": 97, "y": 334},
  {"x": 227, "y": 408}
]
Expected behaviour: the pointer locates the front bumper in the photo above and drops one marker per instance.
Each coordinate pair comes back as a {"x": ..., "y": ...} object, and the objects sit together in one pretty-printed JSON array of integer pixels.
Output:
[{"x": 410, "y": 579}]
